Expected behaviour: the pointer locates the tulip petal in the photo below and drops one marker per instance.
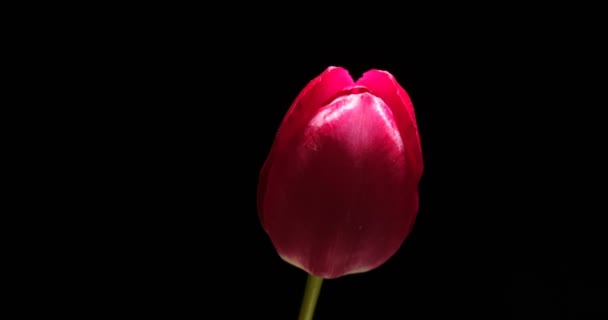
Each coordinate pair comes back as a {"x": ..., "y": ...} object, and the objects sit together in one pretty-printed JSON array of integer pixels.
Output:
[
  {"x": 339, "y": 199},
  {"x": 384, "y": 85},
  {"x": 316, "y": 93}
]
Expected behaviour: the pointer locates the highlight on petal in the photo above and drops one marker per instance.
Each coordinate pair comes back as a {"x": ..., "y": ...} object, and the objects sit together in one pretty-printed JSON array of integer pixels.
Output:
[
  {"x": 325, "y": 86},
  {"x": 317, "y": 92},
  {"x": 384, "y": 85}
]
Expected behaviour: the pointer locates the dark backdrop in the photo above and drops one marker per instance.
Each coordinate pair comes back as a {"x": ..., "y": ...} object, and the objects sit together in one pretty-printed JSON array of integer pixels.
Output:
[{"x": 506, "y": 227}]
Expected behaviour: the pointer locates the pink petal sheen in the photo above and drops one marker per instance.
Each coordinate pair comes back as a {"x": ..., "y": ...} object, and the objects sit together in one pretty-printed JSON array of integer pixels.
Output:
[
  {"x": 310, "y": 99},
  {"x": 385, "y": 86},
  {"x": 338, "y": 192}
]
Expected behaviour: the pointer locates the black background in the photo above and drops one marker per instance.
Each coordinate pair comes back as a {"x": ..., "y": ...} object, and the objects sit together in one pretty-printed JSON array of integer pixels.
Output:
[{"x": 507, "y": 226}]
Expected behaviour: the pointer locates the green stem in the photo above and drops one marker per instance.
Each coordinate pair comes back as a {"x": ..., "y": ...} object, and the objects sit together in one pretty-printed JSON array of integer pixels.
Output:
[{"x": 311, "y": 294}]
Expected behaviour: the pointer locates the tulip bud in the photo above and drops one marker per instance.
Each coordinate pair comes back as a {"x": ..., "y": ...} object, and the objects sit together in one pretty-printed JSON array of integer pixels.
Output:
[{"x": 338, "y": 193}]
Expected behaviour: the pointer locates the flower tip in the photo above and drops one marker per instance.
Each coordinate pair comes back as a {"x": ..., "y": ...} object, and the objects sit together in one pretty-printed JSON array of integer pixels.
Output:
[
  {"x": 330, "y": 68},
  {"x": 375, "y": 71}
]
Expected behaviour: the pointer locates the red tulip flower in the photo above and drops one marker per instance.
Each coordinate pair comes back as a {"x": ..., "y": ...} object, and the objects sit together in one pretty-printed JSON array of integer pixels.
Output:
[{"x": 338, "y": 193}]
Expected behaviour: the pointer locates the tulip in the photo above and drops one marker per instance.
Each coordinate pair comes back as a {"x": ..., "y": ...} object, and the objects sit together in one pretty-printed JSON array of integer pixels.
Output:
[{"x": 338, "y": 192}]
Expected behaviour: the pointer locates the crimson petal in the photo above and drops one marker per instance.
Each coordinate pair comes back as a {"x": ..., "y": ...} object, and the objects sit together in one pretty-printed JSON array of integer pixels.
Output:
[
  {"x": 384, "y": 85},
  {"x": 311, "y": 98}
]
